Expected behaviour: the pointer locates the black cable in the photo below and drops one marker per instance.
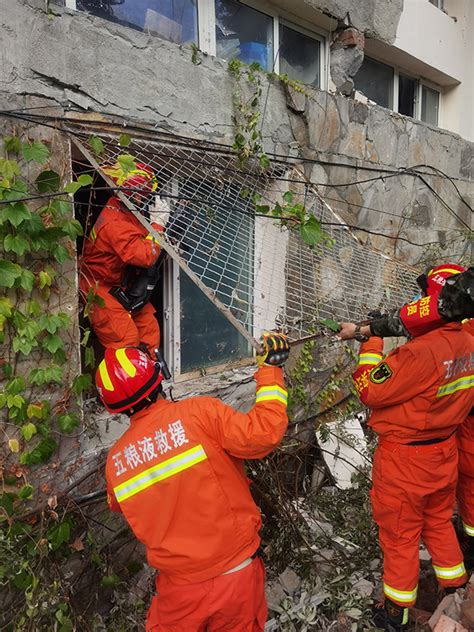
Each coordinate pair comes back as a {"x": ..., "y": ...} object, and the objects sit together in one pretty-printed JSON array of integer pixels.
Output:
[{"x": 378, "y": 169}]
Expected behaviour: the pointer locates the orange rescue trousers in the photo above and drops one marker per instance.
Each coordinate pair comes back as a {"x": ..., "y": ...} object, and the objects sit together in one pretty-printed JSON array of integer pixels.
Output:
[
  {"x": 233, "y": 602},
  {"x": 117, "y": 328},
  {"x": 413, "y": 495},
  {"x": 465, "y": 491}
]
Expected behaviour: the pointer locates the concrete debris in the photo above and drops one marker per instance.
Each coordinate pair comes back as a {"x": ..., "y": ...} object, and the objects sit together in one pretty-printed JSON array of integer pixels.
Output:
[
  {"x": 317, "y": 478},
  {"x": 290, "y": 581},
  {"x": 364, "y": 587},
  {"x": 424, "y": 555},
  {"x": 455, "y": 613},
  {"x": 344, "y": 449},
  {"x": 275, "y": 594}
]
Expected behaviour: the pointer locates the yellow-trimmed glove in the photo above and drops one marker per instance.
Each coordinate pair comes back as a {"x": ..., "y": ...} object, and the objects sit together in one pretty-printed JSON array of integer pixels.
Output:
[{"x": 274, "y": 349}]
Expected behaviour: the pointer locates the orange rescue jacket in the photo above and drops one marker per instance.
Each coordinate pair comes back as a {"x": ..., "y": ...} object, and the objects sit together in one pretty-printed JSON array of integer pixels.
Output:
[
  {"x": 177, "y": 474},
  {"x": 116, "y": 240},
  {"x": 422, "y": 390},
  {"x": 466, "y": 431}
]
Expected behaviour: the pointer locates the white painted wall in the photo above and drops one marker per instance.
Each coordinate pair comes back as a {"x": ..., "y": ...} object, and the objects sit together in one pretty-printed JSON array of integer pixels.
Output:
[{"x": 443, "y": 43}]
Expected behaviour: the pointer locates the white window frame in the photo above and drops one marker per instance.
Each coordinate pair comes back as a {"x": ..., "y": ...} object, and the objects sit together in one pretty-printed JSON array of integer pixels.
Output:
[
  {"x": 397, "y": 71},
  {"x": 207, "y": 33},
  {"x": 435, "y": 88}
]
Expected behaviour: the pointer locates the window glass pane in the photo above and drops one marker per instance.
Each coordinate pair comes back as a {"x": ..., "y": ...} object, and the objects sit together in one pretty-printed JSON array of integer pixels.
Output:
[
  {"x": 207, "y": 337},
  {"x": 299, "y": 56},
  {"x": 375, "y": 80},
  {"x": 406, "y": 95},
  {"x": 174, "y": 20},
  {"x": 244, "y": 33},
  {"x": 429, "y": 105}
]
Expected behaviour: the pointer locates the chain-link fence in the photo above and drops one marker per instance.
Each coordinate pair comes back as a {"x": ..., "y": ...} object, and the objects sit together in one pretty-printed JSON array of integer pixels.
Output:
[{"x": 260, "y": 272}]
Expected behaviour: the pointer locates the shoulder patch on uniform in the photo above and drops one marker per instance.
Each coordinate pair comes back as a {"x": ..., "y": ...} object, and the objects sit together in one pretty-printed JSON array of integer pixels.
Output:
[{"x": 380, "y": 373}]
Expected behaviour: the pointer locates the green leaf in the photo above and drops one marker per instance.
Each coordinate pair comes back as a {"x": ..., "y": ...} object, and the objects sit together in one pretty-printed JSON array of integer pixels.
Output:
[
  {"x": 48, "y": 181},
  {"x": 40, "y": 453},
  {"x": 26, "y": 492},
  {"x": 39, "y": 410},
  {"x": 72, "y": 187},
  {"x": 124, "y": 140},
  {"x": 53, "y": 322},
  {"x": 89, "y": 357},
  {"x": 9, "y": 273},
  {"x": 52, "y": 342},
  {"x": 68, "y": 421},
  {"x": 85, "y": 179},
  {"x": 72, "y": 228},
  {"x": 96, "y": 145},
  {"x": 239, "y": 140},
  {"x": 81, "y": 383},
  {"x": 9, "y": 168},
  {"x": 127, "y": 163},
  {"x": 33, "y": 308},
  {"x": 45, "y": 279},
  {"x": 28, "y": 328},
  {"x": 264, "y": 161},
  {"x": 47, "y": 375},
  {"x": 60, "y": 253},
  {"x": 15, "y": 386},
  {"x": 62, "y": 207},
  {"x": 12, "y": 144},
  {"x": 37, "y": 151},
  {"x": 59, "y": 535},
  {"x": 330, "y": 324},
  {"x": 27, "y": 280},
  {"x": 311, "y": 232},
  {"x": 33, "y": 226},
  {"x": 109, "y": 581},
  {"x": 15, "y": 401},
  {"x": 17, "y": 244},
  {"x": 5, "y": 306},
  {"x": 16, "y": 213},
  {"x": 7, "y": 372},
  {"x": 288, "y": 197},
  {"x": 23, "y": 345},
  {"x": 28, "y": 430}
]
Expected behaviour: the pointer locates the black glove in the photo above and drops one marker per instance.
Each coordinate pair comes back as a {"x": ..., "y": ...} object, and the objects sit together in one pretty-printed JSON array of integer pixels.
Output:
[{"x": 274, "y": 349}]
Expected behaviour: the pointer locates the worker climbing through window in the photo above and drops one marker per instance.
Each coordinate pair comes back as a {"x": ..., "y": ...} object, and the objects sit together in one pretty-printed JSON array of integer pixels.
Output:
[
  {"x": 419, "y": 395},
  {"x": 119, "y": 265},
  {"x": 177, "y": 475}
]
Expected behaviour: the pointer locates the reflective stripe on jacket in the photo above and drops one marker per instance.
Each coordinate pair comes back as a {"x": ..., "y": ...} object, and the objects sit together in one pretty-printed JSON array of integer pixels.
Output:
[
  {"x": 422, "y": 390},
  {"x": 178, "y": 476}
]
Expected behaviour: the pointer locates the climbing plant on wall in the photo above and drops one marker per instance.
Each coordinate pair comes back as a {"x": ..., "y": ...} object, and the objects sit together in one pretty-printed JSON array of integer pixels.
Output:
[{"x": 40, "y": 383}]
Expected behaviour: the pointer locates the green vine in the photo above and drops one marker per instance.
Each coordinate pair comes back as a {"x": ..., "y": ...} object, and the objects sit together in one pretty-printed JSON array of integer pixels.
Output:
[{"x": 39, "y": 392}]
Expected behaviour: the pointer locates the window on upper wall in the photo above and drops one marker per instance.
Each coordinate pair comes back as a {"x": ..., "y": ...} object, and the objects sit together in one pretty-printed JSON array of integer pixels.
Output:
[
  {"x": 407, "y": 91},
  {"x": 438, "y": 3},
  {"x": 375, "y": 80},
  {"x": 299, "y": 55},
  {"x": 244, "y": 33},
  {"x": 429, "y": 105},
  {"x": 173, "y": 20}
]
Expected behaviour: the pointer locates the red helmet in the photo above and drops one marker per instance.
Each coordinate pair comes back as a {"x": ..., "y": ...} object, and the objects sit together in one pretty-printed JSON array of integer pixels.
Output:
[
  {"x": 125, "y": 377},
  {"x": 434, "y": 279},
  {"x": 142, "y": 177}
]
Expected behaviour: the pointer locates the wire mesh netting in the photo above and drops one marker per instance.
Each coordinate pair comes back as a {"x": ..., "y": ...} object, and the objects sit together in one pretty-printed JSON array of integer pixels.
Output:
[{"x": 257, "y": 270}]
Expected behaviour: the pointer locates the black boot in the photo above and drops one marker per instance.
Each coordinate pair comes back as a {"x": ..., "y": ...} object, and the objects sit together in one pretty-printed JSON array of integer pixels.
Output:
[
  {"x": 396, "y": 617},
  {"x": 468, "y": 550}
]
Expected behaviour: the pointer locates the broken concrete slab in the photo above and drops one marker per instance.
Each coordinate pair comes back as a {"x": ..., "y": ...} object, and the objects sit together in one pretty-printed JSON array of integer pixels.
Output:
[
  {"x": 446, "y": 624},
  {"x": 344, "y": 449}
]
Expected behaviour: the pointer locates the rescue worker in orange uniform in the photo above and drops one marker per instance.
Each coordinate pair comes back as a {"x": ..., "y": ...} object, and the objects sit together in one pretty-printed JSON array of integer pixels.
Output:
[
  {"x": 117, "y": 242},
  {"x": 465, "y": 491},
  {"x": 419, "y": 395},
  {"x": 177, "y": 475}
]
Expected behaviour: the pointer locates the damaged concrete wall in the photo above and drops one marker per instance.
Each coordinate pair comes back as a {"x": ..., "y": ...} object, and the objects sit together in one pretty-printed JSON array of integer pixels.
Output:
[
  {"x": 375, "y": 18},
  {"x": 119, "y": 71}
]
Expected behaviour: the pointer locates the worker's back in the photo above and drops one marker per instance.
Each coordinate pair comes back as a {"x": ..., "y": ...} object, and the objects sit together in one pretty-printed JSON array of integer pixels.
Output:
[
  {"x": 427, "y": 389},
  {"x": 185, "y": 497}
]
